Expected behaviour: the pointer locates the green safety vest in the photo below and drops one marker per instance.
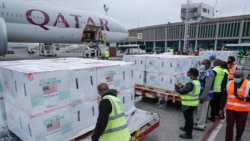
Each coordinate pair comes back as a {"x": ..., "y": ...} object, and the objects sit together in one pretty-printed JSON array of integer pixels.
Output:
[
  {"x": 218, "y": 78},
  {"x": 116, "y": 129},
  {"x": 192, "y": 98},
  {"x": 248, "y": 55},
  {"x": 106, "y": 53}
]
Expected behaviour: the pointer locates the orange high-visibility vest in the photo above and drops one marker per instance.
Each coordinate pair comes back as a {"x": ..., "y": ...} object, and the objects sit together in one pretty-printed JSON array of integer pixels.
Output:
[
  {"x": 231, "y": 71},
  {"x": 234, "y": 103}
]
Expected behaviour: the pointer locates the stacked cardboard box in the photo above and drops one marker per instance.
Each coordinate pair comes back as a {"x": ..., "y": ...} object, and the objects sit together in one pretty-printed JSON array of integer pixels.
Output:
[
  {"x": 161, "y": 71},
  {"x": 56, "y": 99},
  {"x": 223, "y": 55}
]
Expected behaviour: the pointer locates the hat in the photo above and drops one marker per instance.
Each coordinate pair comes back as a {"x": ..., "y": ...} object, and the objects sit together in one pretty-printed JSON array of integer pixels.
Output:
[{"x": 212, "y": 57}]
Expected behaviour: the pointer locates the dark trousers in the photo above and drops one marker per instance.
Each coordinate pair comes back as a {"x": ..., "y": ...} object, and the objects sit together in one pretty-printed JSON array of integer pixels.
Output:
[
  {"x": 189, "y": 121},
  {"x": 214, "y": 103},
  {"x": 238, "y": 118}
]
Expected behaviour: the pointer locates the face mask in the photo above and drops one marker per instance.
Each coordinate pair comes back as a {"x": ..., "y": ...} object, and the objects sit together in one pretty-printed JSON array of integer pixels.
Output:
[
  {"x": 237, "y": 80},
  {"x": 188, "y": 79},
  {"x": 202, "y": 67}
]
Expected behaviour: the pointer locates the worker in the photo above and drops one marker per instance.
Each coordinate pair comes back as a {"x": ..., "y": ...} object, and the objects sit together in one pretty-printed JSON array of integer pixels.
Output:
[
  {"x": 232, "y": 66},
  {"x": 206, "y": 79},
  {"x": 240, "y": 54},
  {"x": 171, "y": 51},
  {"x": 223, "y": 90},
  {"x": 214, "y": 103},
  {"x": 106, "y": 54},
  {"x": 29, "y": 51},
  {"x": 154, "y": 52},
  {"x": 189, "y": 100},
  {"x": 111, "y": 123},
  {"x": 212, "y": 58},
  {"x": 247, "y": 58},
  {"x": 237, "y": 105}
]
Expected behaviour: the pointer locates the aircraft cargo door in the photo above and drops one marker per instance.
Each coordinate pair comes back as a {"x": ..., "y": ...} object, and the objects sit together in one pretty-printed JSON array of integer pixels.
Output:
[{"x": 91, "y": 33}]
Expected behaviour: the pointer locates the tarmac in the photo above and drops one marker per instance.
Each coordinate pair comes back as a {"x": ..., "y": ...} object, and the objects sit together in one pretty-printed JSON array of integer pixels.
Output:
[{"x": 171, "y": 118}]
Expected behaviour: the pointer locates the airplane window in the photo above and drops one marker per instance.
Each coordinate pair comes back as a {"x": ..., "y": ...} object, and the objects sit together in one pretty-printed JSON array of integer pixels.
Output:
[
  {"x": 21, "y": 15},
  {"x": 12, "y": 14},
  {"x": 34, "y": 17},
  {"x": 16, "y": 15},
  {"x": 2, "y": 13},
  {"x": 7, "y": 14},
  {"x": 37, "y": 17}
]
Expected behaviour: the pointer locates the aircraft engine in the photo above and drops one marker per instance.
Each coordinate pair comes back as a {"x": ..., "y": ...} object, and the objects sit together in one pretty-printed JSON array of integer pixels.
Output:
[{"x": 3, "y": 37}]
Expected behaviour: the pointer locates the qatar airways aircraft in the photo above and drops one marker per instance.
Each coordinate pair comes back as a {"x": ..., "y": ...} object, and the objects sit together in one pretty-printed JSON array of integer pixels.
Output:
[{"x": 22, "y": 21}]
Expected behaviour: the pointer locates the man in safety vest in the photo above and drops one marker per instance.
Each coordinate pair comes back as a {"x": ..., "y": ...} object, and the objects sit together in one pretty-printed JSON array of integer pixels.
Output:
[
  {"x": 111, "y": 123},
  {"x": 248, "y": 57},
  {"x": 231, "y": 66},
  {"x": 212, "y": 58},
  {"x": 223, "y": 98},
  {"x": 214, "y": 103},
  {"x": 154, "y": 52},
  {"x": 237, "y": 105},
  {"x": 206, "y": 79},
  {"x": 189, "y": 100},
  {"x": 106, "y": 54}
]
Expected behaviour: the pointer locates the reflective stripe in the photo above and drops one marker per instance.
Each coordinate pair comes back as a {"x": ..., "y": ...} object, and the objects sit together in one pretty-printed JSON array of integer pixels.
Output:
[
  {"x": 217, "y": 83},
  {"x": 237, "y": 104},
  {"x": 116, "y": 116},
  {"x": 116, "y": 129},
  {"x": 190, "y": 99},
  {"x": 231, "y": 96}
]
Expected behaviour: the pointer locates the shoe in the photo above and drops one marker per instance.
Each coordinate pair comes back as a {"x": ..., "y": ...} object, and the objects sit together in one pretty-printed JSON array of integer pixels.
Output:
[
  {"x": 182, "y": 129},
  {"x": 211, "y": 119},
  {"x": 185, "y": 136},
  {"x": 198, "y": 128}
]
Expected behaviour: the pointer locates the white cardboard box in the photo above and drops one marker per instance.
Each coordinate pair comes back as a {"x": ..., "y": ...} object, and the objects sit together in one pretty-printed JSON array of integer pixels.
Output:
[
  {"x": 153, "y": 79},
  {"x": 36, "y": 90},
  {"x": 56, "y": 125},
  {"x": 127, "y": 98}
]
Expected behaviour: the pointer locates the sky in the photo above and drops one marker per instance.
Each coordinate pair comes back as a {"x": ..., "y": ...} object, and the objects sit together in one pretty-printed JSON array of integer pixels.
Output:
[{"x": 141, "y": 13}]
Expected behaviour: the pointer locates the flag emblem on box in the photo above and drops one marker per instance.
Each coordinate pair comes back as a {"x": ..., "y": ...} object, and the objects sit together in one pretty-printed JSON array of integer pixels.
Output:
[
  {"x": 109, "y": 79},
  {"x": 49, "y": 89},
  {"x": 53, "y": 126}
]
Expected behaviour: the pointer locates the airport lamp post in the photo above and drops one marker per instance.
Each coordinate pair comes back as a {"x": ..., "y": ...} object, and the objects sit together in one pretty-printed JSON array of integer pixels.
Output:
[
  {"x": 106, "y": 9},
  {"x": 186, "y": 28}
]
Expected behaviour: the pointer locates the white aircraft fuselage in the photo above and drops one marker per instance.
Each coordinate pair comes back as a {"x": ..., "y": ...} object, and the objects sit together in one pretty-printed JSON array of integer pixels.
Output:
[{"x": 35, "y": 22}]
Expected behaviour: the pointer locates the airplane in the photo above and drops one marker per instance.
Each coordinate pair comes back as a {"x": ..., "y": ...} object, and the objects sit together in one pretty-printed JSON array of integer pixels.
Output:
[{"x": 22, "y": 21}]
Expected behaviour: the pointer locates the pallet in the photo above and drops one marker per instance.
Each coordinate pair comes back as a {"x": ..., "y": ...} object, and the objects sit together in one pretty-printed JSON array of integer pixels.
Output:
[{"x": 153, "y": 92}]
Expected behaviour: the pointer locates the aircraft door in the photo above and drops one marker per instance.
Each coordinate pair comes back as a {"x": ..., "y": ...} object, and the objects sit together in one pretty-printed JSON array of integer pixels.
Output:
[{"x": 91, "y": 33}]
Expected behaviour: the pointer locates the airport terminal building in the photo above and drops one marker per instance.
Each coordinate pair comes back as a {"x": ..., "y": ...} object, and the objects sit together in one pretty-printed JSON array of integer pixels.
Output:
[{"x": 211, "y": 33}]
